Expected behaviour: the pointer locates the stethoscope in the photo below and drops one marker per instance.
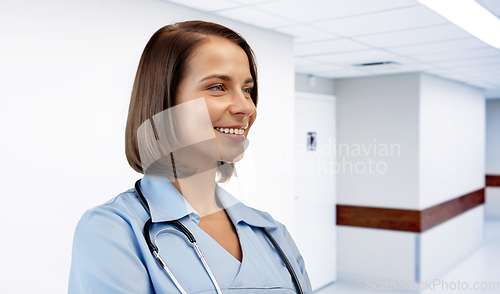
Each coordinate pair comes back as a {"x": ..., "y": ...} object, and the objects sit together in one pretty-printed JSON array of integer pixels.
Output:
[{"x": 192, "y": 241}]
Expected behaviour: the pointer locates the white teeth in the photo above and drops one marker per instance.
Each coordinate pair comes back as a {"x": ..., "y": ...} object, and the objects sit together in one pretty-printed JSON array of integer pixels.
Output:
[{"x": 230, "y": 131}]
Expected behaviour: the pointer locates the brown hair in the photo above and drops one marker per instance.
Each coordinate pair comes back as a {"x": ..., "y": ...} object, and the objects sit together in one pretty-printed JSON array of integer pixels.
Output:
[{"x": 161, "y": 68}]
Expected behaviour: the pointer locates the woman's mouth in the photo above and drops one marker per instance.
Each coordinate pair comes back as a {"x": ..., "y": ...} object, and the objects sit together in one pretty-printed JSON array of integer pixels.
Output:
[{"x": 230, "y": 131}]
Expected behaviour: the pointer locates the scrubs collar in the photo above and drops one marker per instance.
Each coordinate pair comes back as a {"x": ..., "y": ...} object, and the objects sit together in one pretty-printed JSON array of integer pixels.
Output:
[
  {"x": 164, "y": 200},
  {"x": 167, "y": 204},
  {"x": 239, "y": 212}
]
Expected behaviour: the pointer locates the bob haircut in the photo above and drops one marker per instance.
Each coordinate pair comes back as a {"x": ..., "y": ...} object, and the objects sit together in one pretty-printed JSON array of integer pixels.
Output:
[{"x": 162, "y": 66}]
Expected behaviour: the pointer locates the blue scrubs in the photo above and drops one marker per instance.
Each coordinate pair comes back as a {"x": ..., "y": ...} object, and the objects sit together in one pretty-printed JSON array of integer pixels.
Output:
[{"x": 110, "y": 254}]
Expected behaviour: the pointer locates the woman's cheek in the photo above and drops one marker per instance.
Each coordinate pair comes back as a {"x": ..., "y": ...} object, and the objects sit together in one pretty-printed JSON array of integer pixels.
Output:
[{"x": 215, "y": 111}]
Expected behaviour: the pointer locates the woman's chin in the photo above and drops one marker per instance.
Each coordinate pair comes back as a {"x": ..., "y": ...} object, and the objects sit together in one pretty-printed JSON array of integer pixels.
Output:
[
  {"x": 232, "y": 152},
  {"x": 232, "y": 158}
]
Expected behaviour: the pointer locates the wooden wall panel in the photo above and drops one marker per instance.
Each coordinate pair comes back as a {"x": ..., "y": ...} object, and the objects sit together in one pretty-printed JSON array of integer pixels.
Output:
[{"x": 407, "y": 220}]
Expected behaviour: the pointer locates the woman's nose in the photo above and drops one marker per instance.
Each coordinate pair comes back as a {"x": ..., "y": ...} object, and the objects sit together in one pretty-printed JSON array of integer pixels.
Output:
[{"x": 242, "y": 104}]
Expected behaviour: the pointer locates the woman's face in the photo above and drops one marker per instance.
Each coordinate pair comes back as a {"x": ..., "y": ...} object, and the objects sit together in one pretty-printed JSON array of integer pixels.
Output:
[{"x": 218, "y": 72}]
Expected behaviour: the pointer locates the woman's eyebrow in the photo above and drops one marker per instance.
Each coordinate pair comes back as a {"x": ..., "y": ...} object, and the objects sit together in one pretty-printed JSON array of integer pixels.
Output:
[
  {"x": 224, "y": 78},
  {"x": 249, "y": 80}
]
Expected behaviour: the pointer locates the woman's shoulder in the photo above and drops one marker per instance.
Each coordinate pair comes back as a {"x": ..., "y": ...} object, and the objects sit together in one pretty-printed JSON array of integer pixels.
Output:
[
  {"x": 106, "y": 244},
  {"x": 109, "y": 226},
  {"x": 123, "y": 210}
]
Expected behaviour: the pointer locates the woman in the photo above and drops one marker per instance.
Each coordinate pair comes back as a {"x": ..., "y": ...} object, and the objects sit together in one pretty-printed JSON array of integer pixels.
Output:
[{"x": 193, "y": 103}]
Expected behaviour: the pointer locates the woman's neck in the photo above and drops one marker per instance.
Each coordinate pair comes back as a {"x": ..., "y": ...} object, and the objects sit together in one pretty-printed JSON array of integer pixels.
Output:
[{"x": 199, "y": 191}]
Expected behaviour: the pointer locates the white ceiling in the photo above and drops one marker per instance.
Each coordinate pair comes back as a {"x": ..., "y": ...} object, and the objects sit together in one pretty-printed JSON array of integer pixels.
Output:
[{"x": 332, "y": 36}]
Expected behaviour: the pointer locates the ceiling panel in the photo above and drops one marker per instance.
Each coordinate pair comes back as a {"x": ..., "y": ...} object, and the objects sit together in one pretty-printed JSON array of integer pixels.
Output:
[
  {"x": 436, "y": 75},
  {"x": 482, "y": 84},
  {"x": 317, "y": 68},
  {"x": 300, "y": 61},
  {"x": 316, "y": 10},
  {"x": 386, "y": 21},
  {"x": 399, "y": 69},
  {"x": 256, "y": 17},
  {"x": 481, "y": 81},
  {"x": 478, "y": 83},
  {"x": 330, "y": 46},
  {"x": 457, "y": 55},
  {"x": 365, "y": 56},
  {"x": 212, "y": 5},
  {"x": 343, "y": 73},
  {"x": 306, "y": 33},
  {"x": 493, "y": 68},
  {"x": 413, "y": 36},
  {"x": 469, "y": 62},
  {"x": 438, "y": 71},
  {"x": 486, "y": 75},
  {"x": 251, "y": 2},
  {"x": 445, "y": 46},
  {"x": 455, "y": 76},
  {"x": 492, "y": 80},
  {"x": 492, "y": 6}
]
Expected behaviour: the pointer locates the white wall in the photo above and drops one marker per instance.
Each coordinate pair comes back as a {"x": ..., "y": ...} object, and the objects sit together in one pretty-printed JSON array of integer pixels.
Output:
[
  {"x": 389, "y": 256},
  {"x": 451, "y": 144},
  {"x": 492, "y": 203},
  {"x": 320, "y": 85},
  {"x": 439, "y": 125},
  {"x": 380, "y": 255},
  {"x": 372, "y": 112},
  {"x": 67, "y": 69},
  {"x": 446, "y": 245},
  {"x": 492, "y": 207},
  {"x": 493, "y": 137}
]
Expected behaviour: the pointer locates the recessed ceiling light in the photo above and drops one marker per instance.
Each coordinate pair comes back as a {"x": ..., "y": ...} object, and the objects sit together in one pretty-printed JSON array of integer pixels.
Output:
[
  {"x": 384, "y": 63},
  {"x": 378, "y": 66},
  {"x": 470, "y": 16}
]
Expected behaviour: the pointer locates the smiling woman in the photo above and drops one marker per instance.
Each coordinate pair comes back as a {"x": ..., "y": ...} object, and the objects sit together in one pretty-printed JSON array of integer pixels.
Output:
[{"x": 192, "y": 106}]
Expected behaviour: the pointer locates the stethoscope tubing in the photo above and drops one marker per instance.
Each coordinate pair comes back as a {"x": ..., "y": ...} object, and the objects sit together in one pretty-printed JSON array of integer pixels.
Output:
[
  {"x": 185, "y": 231},
  {"x": 285, "y": 260}
]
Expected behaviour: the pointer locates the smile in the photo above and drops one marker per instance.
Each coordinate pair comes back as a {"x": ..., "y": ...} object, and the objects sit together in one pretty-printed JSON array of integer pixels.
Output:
[{"x": 230, "y": 131}]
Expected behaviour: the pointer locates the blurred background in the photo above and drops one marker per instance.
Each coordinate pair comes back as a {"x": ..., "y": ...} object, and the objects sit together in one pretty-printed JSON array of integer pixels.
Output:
[{"x": 377, "y": 141}]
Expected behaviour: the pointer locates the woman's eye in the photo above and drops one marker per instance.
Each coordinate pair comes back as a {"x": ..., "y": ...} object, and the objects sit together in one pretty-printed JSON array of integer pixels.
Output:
[
  {"x": 217, "y": 88},
  {"x": 247, "y": 90}
]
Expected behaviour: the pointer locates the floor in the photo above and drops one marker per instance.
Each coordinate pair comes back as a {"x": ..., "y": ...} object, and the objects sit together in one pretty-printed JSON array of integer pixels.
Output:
[{"x": 482, "y": 266}]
